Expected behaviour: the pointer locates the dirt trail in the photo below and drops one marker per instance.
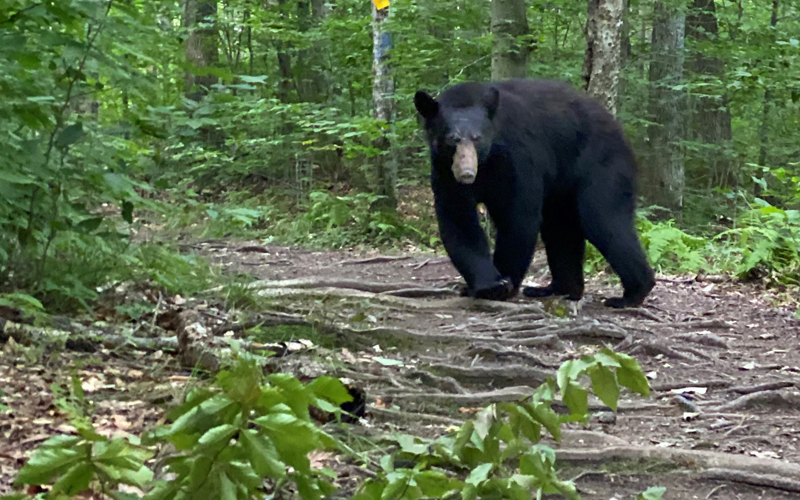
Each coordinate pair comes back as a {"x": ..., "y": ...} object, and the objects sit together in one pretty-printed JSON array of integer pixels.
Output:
[
  {"x": 721, "y": 360},
  {"x": 722, "y": 363}
]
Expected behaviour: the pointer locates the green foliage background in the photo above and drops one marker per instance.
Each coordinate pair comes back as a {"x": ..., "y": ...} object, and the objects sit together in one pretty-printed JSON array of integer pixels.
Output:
[{"x": 100, "y": 145}]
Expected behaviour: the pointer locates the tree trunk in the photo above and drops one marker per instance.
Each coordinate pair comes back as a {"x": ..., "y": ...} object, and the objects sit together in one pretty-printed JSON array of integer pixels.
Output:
[
  {"x": 763, "y": 130},
  {"x": 603, "y": 51},
  {"x": 309, "y": 62},
  {"x": 711, "y": 118},
  {"x": 202, "y": 50},
  {"x": 383, "y": 107},
  {"x": 510, "y": 55},
  {"x": 663, "y": 175}
]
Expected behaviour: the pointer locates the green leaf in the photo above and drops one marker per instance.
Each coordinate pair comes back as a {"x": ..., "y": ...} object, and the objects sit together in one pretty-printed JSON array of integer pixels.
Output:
[
  {"x": 262, "y": 454},
  {"x": 226, "y": 487},
  {"x": 576, "y": 398},
  {"x": 410, "y": 445},
  {"x": 652, "y": 493},
  {"x": 604, "y": 385},
  {"x": 398, "y": 482},
  {"x": 89, "y": 225},
  {"x": 218, "y": 436},
  {"x": 331, "y": 389},
  {"x": 45, "y": 463},
  {"x": 569, "y": 371},
  {"x": 70, "y": 135},
  {"x": 435, "y": 484},
  {"x": 76, "y": 479},
  {"x": 479, "y": 474},
  {"x": 630, "y": 374}
]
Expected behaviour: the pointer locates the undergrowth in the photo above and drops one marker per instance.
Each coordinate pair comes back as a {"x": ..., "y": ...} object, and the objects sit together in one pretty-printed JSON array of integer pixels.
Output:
[{"x": 248, "y": 434}]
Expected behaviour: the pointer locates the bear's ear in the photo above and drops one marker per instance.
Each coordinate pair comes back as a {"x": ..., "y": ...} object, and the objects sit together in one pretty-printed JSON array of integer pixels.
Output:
[
  {"x": 490, "y": 100},
  {"x": 426, "y": 105}
]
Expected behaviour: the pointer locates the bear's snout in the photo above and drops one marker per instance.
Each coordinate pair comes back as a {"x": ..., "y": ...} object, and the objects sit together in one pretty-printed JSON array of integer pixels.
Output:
[{"x": 465, "y": 162}]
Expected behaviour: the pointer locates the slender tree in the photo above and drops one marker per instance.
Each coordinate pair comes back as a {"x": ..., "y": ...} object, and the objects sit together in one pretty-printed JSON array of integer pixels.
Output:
[
  {"x": 603, "y": 51},
  {"x": 383, "y": 105},
  {"x": 202, "y": 46},
  {"x": 710, "y": 116},
  {"x": 510, "y": 54},
  {"x": 663, "y": 175},
  {"x": 763, "y": 130}
]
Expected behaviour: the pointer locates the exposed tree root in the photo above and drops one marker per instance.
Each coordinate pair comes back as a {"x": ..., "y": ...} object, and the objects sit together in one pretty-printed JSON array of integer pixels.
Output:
[
  {"x": 494, "y": 352},
  {"x": 381, "y": 259},
  {"x": 443, "y": 383},
  {"x": 703, "y": 338},
  {"x": 764, "y": 399},
  {"x": 770, "y": 386},
  {"x": 364, "y": 286},
  {"x": 474, "y": 399},
  {"x": 399, "y": 302},
  {"x": 703, "y": 323},
  {"x": 417, "y": 292},
  {"x": 711, "y": 384},
  {"x": 773, "y": 481},
  {"x": 495, "y": 375},
  {"x": 653, "y": 349},
  {"x": 698, "y": 459},
  {"x": 394, "y": 416}
]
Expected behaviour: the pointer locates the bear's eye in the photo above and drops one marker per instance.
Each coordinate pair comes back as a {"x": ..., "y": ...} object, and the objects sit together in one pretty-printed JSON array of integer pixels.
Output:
[
  {"x": 453, "y": 138},
  {"x": 476, "y": 137}
]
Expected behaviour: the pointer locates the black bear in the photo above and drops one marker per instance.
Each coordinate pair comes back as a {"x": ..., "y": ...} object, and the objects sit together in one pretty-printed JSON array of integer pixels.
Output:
[{"x": 540, "y": 156}]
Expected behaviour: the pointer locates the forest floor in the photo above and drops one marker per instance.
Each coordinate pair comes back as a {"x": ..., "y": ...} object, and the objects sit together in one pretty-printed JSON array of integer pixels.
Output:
[{"x": 721, "y": 358}]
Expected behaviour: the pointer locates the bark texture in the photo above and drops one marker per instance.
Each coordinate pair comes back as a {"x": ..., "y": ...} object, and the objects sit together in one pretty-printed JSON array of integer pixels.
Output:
[
  {"x": 383, "y": 107},
  {"x": 663, "y": 175},
  {"x": 603, "y": 51},
  {"x": 202, "y": 47},
  {"x": 710, "y": 117},
  {"x": 510, "y": 56}
]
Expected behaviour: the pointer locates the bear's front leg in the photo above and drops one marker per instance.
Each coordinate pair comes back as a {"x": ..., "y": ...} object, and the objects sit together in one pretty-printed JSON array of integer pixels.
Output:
[
  {"x": 467, "y": 247},
  {"x": 517, "y": 231}
]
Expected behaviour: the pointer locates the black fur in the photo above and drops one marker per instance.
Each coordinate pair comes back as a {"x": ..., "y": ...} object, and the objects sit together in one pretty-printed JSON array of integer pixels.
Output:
[{"x": 550, "y": 159}]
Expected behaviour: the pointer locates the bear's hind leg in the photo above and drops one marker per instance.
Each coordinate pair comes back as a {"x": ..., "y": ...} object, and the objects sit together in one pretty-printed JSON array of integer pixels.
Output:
[
  {"x": 565, "y": 246},
  {"x": 607, "y": 218}
]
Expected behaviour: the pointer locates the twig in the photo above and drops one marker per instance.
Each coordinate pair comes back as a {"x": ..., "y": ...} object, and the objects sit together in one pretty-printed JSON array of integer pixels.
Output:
[{"x": 714, "y": 490}]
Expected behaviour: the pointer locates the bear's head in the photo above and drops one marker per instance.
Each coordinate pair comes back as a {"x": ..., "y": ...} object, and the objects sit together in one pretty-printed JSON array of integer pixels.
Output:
[{"x": 460, "y": 126}]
